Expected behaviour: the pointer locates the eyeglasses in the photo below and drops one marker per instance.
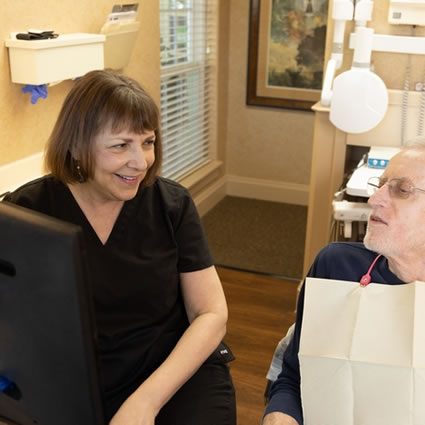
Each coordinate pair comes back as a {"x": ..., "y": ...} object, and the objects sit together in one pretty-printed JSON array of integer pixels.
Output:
[{"x": 398, "y": 188}]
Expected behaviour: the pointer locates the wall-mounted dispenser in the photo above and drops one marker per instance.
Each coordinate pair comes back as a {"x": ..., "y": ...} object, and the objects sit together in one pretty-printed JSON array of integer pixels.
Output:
[
  {"x": 119, "y": 43},
  {"x": 48, "y": 61},
  {"x": 120, "y": 29}
]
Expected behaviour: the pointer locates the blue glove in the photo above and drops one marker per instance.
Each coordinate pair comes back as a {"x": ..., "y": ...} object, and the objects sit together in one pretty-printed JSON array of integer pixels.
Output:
[
  {"x": 4, "y": 383},
  {"x": 36, "y": 92}
]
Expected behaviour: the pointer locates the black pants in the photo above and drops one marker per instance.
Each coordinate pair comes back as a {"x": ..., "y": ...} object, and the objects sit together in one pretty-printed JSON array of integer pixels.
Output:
[{"x": 207, "y": 398}]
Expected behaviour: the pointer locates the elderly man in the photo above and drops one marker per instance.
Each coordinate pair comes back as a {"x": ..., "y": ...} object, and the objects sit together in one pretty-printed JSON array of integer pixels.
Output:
[{"x": 392, "y": 253}]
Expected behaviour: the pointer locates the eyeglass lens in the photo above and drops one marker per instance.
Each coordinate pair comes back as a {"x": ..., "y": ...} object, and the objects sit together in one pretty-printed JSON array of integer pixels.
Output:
[{"x": 398, "y": 188}]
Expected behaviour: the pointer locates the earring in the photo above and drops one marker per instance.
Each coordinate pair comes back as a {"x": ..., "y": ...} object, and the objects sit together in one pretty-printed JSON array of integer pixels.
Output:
[{"x": 80, "y": 174}]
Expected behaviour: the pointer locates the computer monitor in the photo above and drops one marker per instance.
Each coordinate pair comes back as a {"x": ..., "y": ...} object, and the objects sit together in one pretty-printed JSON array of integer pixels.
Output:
[{"x": 47, "y": 332}]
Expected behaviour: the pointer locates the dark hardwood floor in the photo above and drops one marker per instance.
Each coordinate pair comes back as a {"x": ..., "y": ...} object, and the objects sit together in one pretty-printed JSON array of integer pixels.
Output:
[{"x": 261, "y": 309}]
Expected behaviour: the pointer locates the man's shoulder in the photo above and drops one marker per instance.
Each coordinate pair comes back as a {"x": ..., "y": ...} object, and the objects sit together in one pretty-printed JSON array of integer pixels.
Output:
[
  {"x": 346, "y": 248},
  {"x": 342, "y": 260}
]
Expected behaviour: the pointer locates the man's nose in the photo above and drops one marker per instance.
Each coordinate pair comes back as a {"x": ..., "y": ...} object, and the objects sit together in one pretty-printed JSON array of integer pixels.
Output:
[{"x": 381, "y": 197}]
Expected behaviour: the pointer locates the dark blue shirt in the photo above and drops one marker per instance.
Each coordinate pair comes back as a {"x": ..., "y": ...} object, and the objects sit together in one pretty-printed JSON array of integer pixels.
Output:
[{"x": 340, "y": 261}]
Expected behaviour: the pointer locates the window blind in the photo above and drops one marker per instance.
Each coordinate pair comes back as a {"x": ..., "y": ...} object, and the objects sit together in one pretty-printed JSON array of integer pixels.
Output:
[{"x": 188, "y": 84}]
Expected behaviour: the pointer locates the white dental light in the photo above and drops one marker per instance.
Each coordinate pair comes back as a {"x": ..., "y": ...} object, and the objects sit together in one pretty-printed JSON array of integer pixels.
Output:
[{"x": 359, "y": 97}]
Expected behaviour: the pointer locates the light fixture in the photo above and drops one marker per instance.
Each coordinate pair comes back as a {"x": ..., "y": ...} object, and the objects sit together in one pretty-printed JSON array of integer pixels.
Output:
[{"x": 359, "y": 97}]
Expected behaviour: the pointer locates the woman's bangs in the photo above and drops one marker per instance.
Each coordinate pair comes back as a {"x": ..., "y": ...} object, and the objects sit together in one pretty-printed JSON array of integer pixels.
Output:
[{"x": 137, "y": 116}]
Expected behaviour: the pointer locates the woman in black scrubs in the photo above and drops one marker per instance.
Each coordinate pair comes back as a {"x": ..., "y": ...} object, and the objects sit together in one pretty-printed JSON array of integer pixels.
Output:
[{"x": 160, "y": 309}]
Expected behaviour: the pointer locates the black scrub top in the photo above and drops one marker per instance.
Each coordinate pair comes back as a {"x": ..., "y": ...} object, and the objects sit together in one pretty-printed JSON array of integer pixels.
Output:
[{"x": 138, "y": 303}]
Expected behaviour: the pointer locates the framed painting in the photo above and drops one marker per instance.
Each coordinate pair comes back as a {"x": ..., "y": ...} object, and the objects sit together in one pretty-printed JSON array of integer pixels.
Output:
[{"x": 286, "y": 54}]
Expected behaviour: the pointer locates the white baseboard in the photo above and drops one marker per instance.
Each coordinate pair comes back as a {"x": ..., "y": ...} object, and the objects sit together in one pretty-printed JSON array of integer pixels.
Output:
[
  {"x": 210, "y": 197},
  {"x": 267, "y": 190}
]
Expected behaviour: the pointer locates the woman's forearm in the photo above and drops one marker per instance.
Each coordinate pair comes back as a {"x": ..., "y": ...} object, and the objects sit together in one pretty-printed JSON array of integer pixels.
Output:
[{"x": 199, "y": 340}]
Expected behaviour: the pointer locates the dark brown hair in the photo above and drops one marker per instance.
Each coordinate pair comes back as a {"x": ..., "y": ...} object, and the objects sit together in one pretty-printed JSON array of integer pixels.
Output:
[{"x": 97, "y": 100}]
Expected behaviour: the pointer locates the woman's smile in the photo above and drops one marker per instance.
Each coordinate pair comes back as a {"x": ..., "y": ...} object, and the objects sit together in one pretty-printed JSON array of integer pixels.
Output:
[{"x": 130, "y": 180}]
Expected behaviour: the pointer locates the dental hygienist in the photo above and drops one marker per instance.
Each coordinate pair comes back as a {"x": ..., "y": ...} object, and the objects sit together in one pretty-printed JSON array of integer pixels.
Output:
[
  {"x": 392, "y": 254},
  {"x": 160, "y": 308}
]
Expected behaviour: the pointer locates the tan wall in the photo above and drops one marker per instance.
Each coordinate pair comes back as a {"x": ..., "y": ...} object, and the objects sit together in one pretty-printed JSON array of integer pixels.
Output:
[
  {"x": 24, "y": 127},
  {"x": 262, "y": 143}
]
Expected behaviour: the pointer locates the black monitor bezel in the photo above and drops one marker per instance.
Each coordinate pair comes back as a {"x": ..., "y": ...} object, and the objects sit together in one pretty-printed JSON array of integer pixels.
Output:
[{"x": 19, "y": 222}]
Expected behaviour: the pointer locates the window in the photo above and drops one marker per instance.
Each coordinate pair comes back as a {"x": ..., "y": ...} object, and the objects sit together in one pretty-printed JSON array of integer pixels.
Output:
[{"x": 188, "y": 47}]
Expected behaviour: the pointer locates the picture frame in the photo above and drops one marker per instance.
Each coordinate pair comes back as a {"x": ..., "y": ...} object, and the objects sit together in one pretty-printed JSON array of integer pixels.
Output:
[{"x": 287, "y": 40}]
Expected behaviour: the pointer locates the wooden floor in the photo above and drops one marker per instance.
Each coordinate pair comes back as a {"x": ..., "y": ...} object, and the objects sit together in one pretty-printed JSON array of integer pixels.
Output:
[{"x": 261, "y": 309}]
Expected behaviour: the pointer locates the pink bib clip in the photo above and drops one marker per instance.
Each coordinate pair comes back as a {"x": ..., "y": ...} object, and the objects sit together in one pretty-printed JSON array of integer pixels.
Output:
[{"x": 366, "y": 278}]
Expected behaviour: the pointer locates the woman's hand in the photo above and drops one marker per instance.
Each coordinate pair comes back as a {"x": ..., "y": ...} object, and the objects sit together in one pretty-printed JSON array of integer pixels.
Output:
[{"x": 135, "y": 411}]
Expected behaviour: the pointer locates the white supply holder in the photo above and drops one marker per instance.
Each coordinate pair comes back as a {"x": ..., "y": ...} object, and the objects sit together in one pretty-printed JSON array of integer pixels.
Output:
[
  {"x": 120, "y": 39},
  {"x": 68, "y": 56}
]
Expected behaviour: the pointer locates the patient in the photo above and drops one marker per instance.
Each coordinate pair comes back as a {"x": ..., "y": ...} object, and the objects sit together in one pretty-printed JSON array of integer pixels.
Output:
[
  {"x": 160, "y": 308},
  {"x": 395, "y": 230}
]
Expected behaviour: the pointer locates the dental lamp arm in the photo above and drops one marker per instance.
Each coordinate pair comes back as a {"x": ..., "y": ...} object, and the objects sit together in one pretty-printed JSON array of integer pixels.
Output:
[
  {"x": 326, "y": 95},
  {"x": 342, "y": 11},
  {"x": 363, "y": 12}
]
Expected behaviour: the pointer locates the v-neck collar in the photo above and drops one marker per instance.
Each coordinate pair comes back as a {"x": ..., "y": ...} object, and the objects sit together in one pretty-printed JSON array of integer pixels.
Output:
[{"x": 119, "y": 227}]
